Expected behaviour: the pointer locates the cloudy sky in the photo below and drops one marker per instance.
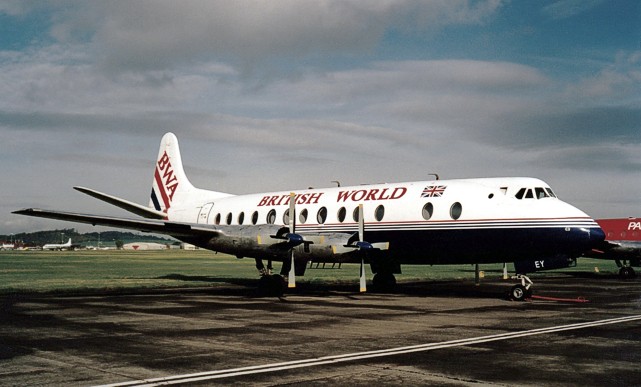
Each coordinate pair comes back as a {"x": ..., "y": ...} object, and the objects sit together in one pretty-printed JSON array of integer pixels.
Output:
[{"x": 277, "y": 95}]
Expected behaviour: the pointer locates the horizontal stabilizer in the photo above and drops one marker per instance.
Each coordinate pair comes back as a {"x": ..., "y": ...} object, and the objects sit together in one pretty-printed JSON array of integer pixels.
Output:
[
  {"x": 134, "y": 208},
  {"x": 145, "y": 225}
]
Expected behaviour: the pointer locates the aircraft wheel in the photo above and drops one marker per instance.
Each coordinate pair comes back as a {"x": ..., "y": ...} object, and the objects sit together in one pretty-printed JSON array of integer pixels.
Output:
[
  {"x": 384, "y": 282},
  {"x": 520, "y": 293},
  {"x": 272, "y": 285},
  {"x": 627, "y": 273}
]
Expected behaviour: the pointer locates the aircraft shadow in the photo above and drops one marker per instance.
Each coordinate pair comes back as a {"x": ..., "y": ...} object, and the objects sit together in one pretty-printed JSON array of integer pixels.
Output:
[{"x": 422, "y": 288}]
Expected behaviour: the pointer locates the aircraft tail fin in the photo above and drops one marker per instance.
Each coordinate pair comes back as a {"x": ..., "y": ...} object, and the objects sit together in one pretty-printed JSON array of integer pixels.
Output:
[{"x": 170, "y": 184}]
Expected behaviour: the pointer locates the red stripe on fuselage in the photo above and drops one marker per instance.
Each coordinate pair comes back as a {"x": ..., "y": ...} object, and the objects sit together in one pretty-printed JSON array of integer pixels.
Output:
[{"x": 161, "y": 189}]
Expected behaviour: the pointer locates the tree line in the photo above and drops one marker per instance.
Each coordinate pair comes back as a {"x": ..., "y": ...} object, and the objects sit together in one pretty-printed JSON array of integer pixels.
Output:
[{"x": 62, "y": 236}]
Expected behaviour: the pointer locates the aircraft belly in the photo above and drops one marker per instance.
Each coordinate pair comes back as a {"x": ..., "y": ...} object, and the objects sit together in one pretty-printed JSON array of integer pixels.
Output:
[
  {"x": 421, "y": 247},
  {"x": 480, "y": 245}
]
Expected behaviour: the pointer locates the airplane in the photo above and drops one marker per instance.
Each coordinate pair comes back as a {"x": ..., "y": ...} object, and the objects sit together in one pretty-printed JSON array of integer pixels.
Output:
[
  {"x": 8, "y": 246},
  {"x": 432, "y": 222},
  {"x": 622, "y": 244},
  {"x": 58, "y": 246}
]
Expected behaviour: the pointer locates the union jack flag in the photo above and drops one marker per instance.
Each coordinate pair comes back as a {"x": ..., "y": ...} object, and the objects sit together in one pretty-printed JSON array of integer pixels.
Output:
[{"x": 433, "y": 191}]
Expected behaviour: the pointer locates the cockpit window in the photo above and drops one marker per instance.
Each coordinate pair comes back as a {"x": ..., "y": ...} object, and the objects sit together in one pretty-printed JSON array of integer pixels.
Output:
[{"x": 540, "y": 193}]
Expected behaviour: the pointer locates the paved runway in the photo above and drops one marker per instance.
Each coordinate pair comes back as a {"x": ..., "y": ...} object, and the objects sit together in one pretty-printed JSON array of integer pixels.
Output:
[{"x": 459, "y": 335}]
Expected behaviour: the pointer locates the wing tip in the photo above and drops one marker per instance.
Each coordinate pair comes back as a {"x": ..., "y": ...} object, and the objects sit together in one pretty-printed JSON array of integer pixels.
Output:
[{"x": 24, "y": 211}]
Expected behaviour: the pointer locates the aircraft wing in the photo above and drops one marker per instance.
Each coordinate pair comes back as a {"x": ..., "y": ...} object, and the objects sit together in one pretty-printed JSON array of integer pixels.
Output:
[{"x": 145, "y": 225}]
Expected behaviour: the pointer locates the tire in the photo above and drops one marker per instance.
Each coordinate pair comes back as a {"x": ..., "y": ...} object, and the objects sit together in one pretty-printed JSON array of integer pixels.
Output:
[
  {"x": 626, "y": 273},
  {"x": 519, "y": 293},
  {"x": 271, "y": 285},
  {"x": 384, "y": 282}
]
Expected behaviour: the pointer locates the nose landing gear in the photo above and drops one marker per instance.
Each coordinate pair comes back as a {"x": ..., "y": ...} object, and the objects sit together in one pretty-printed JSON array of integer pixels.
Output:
[{"x": 522, "y": 291}]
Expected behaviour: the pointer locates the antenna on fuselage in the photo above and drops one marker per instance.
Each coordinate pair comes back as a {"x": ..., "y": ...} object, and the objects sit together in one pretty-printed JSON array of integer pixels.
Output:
[
  {"x": 338, "y": 183},
  {"x": 434, "y": 174}
]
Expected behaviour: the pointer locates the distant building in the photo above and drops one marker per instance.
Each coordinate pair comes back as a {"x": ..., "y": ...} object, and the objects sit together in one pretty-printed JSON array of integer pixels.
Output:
[
  {"x": 144, "y": 246},
  {"x": 188, "y": 246}
]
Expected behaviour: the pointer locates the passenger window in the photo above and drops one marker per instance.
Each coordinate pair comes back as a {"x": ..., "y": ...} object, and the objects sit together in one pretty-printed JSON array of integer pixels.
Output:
[
  {"x": 456, "y": 210},
  {"x": 519, "y": 195},
  {"x": 355, "y": 215},
  {"x": 271, "y": 216},
  {"x": 218, "y": 218},
  {"x": 229, "y": 218},
  {"x": 428, "y": 210},
  {"x": 241, "y": 218},
  {"x": 379, "y": 213},
  {"x": 303, "y": 216},
  {"x": 341, "y": 214},
  {"x": 529, "y": 194},
  {"x": 321, "y": 217},
  {"x": 286, "y": 217},
  {"x": 255, "y": 217}
]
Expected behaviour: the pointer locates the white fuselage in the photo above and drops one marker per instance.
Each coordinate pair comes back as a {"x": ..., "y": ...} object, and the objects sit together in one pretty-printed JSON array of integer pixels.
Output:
[
  {"x": 424, "y": 222},
  {"x": 57, "y": 246}
]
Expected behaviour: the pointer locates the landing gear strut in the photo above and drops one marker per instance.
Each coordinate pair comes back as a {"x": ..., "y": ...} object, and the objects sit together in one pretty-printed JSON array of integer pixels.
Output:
[{"x": 523, "y": 290}]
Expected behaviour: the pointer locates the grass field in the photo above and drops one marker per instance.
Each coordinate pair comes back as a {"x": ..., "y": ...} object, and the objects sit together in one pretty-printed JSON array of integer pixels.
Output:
[{"x": 26, "y": 272}]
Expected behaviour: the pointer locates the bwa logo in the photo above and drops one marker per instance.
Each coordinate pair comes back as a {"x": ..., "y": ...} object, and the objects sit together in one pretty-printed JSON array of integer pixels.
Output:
[{"x": 166, "y": 181}]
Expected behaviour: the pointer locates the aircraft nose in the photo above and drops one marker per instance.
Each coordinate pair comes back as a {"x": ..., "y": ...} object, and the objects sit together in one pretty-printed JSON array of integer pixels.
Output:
[{"x": 597, "y": 236}]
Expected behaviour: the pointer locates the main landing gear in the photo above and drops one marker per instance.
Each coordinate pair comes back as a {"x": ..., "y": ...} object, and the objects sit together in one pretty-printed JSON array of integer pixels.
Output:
[
  {"x": 520, "y": 292},
  {"x": 625, "y": 271},
  {"x": 270, "y": 284},
  {"x": 384, "y": 282}
]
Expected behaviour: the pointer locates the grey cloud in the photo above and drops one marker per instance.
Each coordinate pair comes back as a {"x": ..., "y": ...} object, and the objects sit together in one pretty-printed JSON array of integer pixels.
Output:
[
  {"x": 558, "y": 127},
  {"x": 53, "y": 122},
  {"x": 152, "y": 35},
  {"x": 595, "y": 158}
]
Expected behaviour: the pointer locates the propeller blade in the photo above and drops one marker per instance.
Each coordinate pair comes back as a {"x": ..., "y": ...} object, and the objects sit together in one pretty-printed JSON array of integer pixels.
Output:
[
  {"x": 291, "y": 279},
  {"x": 363, "y": 279},
  {"x": 292, "y": 212},
  {"x": 361, "y": 223},
  {"x": 361, "y": 243}
]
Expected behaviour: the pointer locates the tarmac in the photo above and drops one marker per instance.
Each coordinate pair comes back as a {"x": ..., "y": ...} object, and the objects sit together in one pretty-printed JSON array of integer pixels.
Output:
[{"x": 432, "y": 332}]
